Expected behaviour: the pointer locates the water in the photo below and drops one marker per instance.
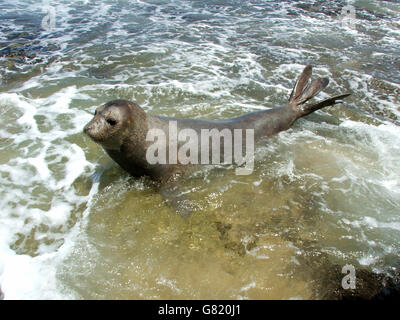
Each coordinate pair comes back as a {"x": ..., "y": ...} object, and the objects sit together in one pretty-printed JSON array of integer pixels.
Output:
[{"x": 324, "y": 193}]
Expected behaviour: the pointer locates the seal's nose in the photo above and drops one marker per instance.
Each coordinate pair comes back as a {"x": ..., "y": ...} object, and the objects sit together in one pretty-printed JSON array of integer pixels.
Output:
[{"x": 87, "y": 128}]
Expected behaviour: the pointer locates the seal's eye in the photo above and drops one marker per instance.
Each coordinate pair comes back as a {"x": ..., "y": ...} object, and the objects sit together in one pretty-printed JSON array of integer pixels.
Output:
[{"x": 111, "y": 121}]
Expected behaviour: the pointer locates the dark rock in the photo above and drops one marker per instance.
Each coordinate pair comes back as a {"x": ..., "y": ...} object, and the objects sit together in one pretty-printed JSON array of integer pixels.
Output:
[
  {"x": 9, "y": 64},
  {"x": 52, "y": 47},
  {"x": 390, "y": 290},
  {"x": 326, "y": 277},
  {"x": 12, "y": 52},
  {"x": 368, "y": 286},
  {"x": 19, "y": 35},
  {"x": 236, "y": 247},
  {"x": 193, "y": 17},
  {"x": 251, "y": 245},
  {"x": 333, "y": 9},
  {"x": 223, "y": 228},
  {"x": 16, "y": 46}
]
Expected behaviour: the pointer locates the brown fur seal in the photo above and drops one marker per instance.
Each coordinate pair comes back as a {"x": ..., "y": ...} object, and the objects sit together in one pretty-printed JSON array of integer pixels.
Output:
[{"x": 121, "y": 127}]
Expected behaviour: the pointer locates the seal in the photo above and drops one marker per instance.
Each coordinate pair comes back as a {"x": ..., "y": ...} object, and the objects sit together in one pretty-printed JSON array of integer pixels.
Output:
[{"x": 121, "y": 127}]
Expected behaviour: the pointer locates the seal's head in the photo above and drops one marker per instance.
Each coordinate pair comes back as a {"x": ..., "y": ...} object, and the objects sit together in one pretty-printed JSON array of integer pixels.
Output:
[{"x": 111, "y": 123}]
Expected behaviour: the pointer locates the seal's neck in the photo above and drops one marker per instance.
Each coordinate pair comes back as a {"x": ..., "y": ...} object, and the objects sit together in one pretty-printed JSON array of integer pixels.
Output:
[{"x": 137, "y": 126}]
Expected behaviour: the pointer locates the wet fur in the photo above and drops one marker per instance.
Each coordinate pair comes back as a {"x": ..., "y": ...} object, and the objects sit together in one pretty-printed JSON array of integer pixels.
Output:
[{"x": 126, "y": 143}]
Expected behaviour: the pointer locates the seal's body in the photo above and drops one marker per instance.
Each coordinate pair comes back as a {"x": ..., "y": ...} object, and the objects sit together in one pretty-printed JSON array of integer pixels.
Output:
[{"x": 121, "y": 126}]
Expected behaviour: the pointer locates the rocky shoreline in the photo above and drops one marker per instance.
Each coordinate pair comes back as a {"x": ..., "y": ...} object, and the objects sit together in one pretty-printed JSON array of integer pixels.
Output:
[{"x": 22, "y": 51}]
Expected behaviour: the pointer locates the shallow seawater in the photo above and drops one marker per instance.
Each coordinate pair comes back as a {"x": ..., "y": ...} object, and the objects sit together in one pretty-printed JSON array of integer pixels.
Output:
[{"x": 325, "y": 193}]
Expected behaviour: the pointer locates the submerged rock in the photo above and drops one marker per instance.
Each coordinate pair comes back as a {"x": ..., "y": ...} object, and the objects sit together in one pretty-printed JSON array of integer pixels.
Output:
[
  {"x": 369, "y": 286},
  {"x": 19, "y": 35},
  {"x": 326, "y": 277},
  {"x": 333, "y": 9}
]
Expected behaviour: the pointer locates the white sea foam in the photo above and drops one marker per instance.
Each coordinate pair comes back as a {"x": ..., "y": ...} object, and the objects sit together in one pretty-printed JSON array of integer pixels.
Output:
[{"x": 24, "y": 276}]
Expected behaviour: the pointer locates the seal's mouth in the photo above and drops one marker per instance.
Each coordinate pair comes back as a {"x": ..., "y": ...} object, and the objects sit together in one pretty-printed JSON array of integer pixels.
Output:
[
  {"x": 103, "y": 140},
  {"x": 88, "y": 130},
  {"x": 95, "y": 139}
]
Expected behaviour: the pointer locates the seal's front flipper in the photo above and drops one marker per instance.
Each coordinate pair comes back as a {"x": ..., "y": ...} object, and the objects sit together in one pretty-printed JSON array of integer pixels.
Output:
[
  {"x": 304, "y": 90},
  {"x": 177, "y": 198}
]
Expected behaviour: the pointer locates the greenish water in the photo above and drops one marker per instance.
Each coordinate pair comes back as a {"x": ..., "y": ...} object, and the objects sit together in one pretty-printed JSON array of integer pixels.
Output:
[{"x": 323, "y": 194}]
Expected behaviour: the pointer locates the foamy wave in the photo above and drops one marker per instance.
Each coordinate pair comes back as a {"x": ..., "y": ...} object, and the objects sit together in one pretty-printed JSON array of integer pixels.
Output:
[{"x": 38, "y": 198}]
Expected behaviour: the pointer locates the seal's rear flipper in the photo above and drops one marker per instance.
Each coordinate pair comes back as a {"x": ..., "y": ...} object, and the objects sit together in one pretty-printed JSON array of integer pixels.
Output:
[
  {"x": 304, "y": 90},
  {"x": 308, "y": 108}
]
